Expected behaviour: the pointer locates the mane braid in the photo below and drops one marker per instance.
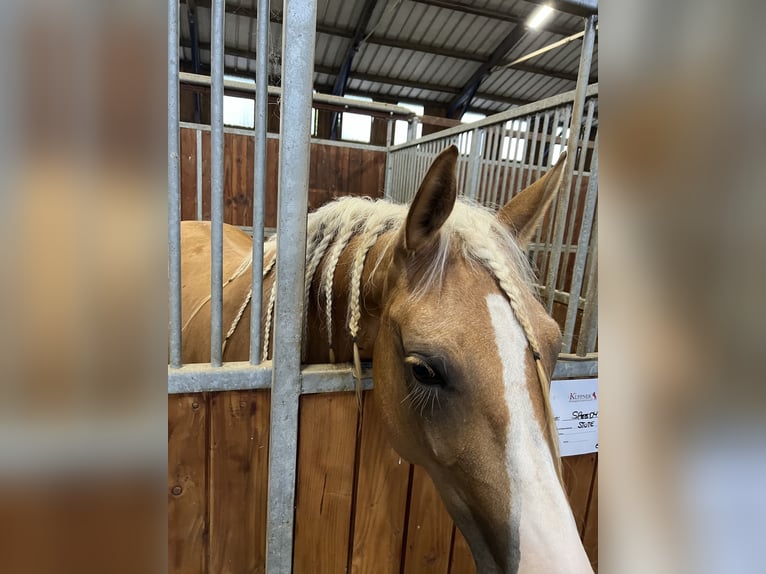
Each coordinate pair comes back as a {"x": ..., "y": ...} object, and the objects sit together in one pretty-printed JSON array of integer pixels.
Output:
[{"x": 471, "y": 229}]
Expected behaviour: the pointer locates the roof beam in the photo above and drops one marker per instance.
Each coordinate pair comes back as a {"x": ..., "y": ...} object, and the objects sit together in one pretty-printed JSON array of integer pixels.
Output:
[
  {"x": 461, "y": 102},
  {"x": 582, "y": 8},
  {"x": 341, "y": 77},
  {"x": 504, "y": 15}
]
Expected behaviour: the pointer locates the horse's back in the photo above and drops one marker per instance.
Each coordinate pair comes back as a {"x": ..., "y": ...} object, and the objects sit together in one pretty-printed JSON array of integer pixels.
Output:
[{"x": 195, "y": 280}]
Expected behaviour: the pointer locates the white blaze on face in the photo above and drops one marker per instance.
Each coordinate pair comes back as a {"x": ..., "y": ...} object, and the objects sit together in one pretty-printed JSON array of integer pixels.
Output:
[{"x": 549, "y": 541}]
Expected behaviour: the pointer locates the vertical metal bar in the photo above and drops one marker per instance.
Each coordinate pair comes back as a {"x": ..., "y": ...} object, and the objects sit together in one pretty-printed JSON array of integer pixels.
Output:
[
  {"x": 474, "y": 165},
  {"x": 486, "y": 176},
  {"x": 522, "y": 142},
  {"x": 532, "y": 161},
  {"x": 504, "y": 194},
  {"x": 545, "y": 263},
  {"x": 174, "y": 190},
  {"x": 540, "y": 256},
  {"x": 460, "y": 164},
  {"x": 298, "y": 39},
  {"x": 199, "y": 174},
  {"x": 216, "y": 187},
  {"x": 516, "y": 166},
  {"x": 582, "y": 252},
  {"x": 259, "y": 177},
  {"x": 586, "y": 55},
  {"x": 493, "y": 164},
  {"x": 412, "y": 129},
  {"x": 576, "y": 188},
  {"x": 586, "y": 342}
]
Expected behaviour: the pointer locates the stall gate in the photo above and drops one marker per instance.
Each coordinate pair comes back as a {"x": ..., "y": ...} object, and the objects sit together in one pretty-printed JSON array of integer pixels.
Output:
[{"x": 282, "y": 472}]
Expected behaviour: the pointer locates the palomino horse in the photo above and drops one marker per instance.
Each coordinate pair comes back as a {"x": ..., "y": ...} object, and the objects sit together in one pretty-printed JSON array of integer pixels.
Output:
[{"x": 438, "y": 296}]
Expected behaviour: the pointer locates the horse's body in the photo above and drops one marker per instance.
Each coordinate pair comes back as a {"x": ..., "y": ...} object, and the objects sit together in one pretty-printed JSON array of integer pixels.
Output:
[{"x": 438, "y": 297}]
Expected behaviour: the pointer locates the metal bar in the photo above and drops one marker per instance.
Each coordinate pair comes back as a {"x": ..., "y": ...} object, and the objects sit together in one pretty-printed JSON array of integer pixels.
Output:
[
  {"x": 488, "y": 164},
  {"x": 540, "y": 255},
  {"x": 533, "y": 150},
  {"x": 298, "y": 41},
  {"x": 578, "y": 184},
  {"x": 548, "y": 161},
  {"x": 174, "y": 190},
  {"x": 504, "y": 193},
  {"x": 474, "y": 165},
  {"x": 240, "y": 376},
  {"x": 522, "y": 139},
  {"x": 199, "y": 174},
  {"x": 335, "y": 378},
  {"x": 513, "y": 113},
  {"x": 515, "y": 166},
  {"x": 576, "y": 7},
  {"x": 216, "y": 186},
  {"x": 586, "y": 56},
  {"x": 589, "y": 326},
  {"x": 202, "y": 80},
  {"x": 573, "y": 366},
  {"x": 582, "y": 252},
  {"x": 498, "y": 167},
  {"x": 259, "y": 179}
]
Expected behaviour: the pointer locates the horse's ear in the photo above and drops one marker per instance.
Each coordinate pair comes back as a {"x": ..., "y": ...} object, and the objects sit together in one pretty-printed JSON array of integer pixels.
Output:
[
  {"x": 434, "y": 201},
  {"x": 525, "y": 211}
]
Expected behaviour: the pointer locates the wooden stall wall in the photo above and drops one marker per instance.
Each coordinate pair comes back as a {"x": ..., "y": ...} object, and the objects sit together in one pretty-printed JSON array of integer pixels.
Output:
[
  {"x": 335, "y": 171},
  {"x": 359, "y": 507}
]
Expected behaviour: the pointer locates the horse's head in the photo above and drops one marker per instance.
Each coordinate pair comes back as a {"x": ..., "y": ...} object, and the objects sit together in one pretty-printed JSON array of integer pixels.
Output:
[{"x": 456, "y": 376}]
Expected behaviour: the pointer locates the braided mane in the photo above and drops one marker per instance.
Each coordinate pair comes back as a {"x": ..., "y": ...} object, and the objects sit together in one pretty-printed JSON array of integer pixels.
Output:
[{"x": 471, "y": 229}]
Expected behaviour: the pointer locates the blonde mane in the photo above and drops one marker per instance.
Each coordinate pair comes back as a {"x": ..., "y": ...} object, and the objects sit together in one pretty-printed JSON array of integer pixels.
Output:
[{"x": 471, "y": 229}]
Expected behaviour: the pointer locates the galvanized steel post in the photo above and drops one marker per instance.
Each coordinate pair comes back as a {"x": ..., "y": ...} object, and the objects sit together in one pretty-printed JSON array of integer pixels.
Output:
[
  {"x": 259, "y": 178},
  {"x": 174, "y": 190},
  {"x": 586, "y": 56},
  {"x": 298, "y": 39},
  {"x": 216, "y": 185}
]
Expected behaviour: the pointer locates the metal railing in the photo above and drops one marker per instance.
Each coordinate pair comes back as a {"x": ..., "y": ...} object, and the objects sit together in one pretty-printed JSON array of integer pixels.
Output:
[
  {"x": 502, "y": 154},
  {"x": 284, "y": 374}
]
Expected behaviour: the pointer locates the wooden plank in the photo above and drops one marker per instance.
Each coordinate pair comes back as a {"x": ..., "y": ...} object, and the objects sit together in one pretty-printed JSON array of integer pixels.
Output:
[
  {"x": 239, "y": 454},
  {"x": 429, "y": 531},
  {"x": 272, "y": 179},
  {"x": 462, "y": 559},
  {"x": 590, "y": 534},
  {"x": 188, "y": 140},
  {"x": 187, "y": 483},
  {"x": 325, "y": 482},
  {"x": 381, "y": 498},
  {"x": 578, "y": 478},
  {"x": 206, "y": 175}
]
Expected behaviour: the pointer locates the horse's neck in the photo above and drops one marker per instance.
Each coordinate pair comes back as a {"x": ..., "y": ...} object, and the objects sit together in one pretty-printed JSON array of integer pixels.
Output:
[{"x": 373, "y": 281}]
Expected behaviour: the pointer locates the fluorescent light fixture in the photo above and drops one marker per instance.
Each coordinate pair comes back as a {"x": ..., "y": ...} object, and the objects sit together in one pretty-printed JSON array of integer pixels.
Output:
[{"x": 539, "y": 16}]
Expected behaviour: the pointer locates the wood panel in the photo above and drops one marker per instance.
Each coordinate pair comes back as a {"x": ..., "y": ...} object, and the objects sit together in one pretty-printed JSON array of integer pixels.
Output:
[
  {"x": 578, "y": 477},
  {"x": 187, "y": 483},
  {"x": 239, "y": 445},
  {"x": 462, "y": 559},
  {"x": 335, "y": 171},
  {"x": 590, "y": 534},
  {"x": 429, "y": 529},
  {"x": 379, "y": 513},
  {"x": 325, "y": 478},
  {"x": 217, "y": 491},
  {"x": 188, "y": 140}
]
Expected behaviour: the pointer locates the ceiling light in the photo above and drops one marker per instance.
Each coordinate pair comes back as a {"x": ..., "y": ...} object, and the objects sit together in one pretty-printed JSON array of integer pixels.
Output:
[{"x": 539, "y": 16}]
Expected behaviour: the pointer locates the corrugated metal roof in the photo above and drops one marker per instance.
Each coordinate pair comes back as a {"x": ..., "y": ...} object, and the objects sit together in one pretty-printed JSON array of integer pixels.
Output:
[{"x": 403, "y": 57}]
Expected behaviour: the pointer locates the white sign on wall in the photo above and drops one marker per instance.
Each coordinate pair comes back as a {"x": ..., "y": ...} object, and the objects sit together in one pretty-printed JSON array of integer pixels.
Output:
[{"x": 575, "y": 408}]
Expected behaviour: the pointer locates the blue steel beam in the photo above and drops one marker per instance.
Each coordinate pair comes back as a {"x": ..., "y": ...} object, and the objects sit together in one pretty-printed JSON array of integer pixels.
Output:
[
  {"x": 341, "y": 80},
  {"x": 460, "y": 103},
  {"x": 191, "y": 14}
]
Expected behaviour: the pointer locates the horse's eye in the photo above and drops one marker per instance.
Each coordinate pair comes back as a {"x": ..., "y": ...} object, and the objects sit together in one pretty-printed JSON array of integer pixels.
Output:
[{"x": 425, "y": 375}]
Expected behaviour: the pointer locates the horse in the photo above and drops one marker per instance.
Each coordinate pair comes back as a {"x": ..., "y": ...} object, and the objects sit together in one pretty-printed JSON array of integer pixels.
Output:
[{"x": 438, "y": 296}]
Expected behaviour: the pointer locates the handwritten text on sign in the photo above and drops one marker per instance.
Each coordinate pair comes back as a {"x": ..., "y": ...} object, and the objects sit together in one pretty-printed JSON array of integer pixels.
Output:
[{"x": 575, "y": 408}]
